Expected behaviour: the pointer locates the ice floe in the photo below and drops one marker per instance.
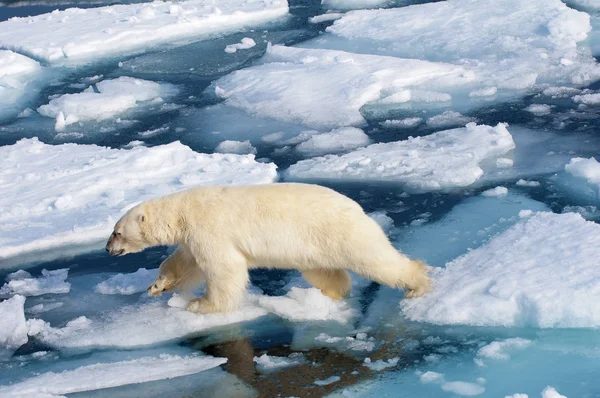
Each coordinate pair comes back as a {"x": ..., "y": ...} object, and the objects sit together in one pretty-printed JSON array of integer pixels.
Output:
[
  {"x": 440, "y": 161},
  {"x": 128, "y": 283},
  {"x": 498, "y": 349},
  {"x": 13, "y": 333},
  {"x": 57, "y": 196},
  {"x": 105, "y": 100},
  {"x": 509, "y": 45},
  {"x": 237, "y": 147},
  {"x": 541, "y": 273},
  {"x": 325, "y": 89},
  {"x": 338, "y": 140},
  {"x": 244, "y": 44},
  {"x": 76, "y": 36},
  {"x": 51, "y": 282},
  {"x": 105, "y": 375},
  {"x": 268, "y": 363}
]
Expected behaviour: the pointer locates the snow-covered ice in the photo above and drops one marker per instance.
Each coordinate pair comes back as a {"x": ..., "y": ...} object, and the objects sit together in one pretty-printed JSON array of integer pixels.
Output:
[
  {"x": 135, "y": 282},
  {"x": 500, "y": 349},
  {"x": 13, "y": 332},
  {"x": 50, "y": 282},
  {"x": 380, "y": 364},
  {"x": 57, "y": 196},
  {"x": 440, "y": 161},
  {"x": 586, "y": 169},
  {"x": 541, "y": 273},
  {"x": 111, "y": 374},
  {"x": 76, "y": 36},
  {"x": 325, "y": 89},
  {"x": 508, "y": 45},
  {"x": 498, "y": 191},
  {"x": 237, "y": 147},
  {"x": 105, "y": 100}
]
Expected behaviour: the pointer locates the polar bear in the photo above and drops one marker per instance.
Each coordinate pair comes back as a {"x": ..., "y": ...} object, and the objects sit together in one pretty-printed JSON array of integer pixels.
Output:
[{"x": 223, "y": 231}]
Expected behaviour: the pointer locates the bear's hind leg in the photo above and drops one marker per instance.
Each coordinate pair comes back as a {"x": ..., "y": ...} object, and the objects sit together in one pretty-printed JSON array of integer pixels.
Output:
[
  {"x": 335, "y": 283},
  {"x": 225, "y": 288}
]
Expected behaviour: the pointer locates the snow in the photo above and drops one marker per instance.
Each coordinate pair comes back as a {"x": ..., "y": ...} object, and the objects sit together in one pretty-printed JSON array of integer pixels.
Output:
[
  {"x": 244, "y": 44},
  {"x": 13, "y": 333},
  {"x": 540, "y": 273},
  {"x": 51, "y": 282},
  {"x": 137, "y": 325},
  {"x": 498, "y": 349},
  {"x": 105, "y": 100},
  {"x": 380, "y": 364},
  {"x": 338, "y": 140},
  {"x": 56, "y": 196},
  {"x": 538, "y": 45},
  {"x": 268, "y": 363},
  {"x": 308, "y": 305},
  {"x": 324, "y": 89},
  {"x": 440, "y": 161},
  {"x": 105, "y": 375},
  {"x": 237, "y": 147},
  {"x": 498, "y": 191},
  {"x": 17, "y": 72},
  {"x": 128, "y": 283},
  {"x": 76, "y": 36}
]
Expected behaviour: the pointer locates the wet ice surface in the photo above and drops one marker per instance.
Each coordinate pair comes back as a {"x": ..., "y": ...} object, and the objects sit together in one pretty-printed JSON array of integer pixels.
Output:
[{"x": 347, "y": 99}]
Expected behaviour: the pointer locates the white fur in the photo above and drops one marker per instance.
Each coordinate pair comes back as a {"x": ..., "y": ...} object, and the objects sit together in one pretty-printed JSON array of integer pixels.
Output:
[{"x": 224, "y": 231}]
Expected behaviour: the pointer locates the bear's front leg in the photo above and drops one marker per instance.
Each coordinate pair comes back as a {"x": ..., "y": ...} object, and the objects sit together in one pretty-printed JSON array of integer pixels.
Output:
[{"x": 225, "y": 288}]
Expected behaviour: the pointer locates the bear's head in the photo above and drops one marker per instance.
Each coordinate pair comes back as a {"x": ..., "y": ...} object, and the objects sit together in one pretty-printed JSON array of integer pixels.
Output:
[{"x": 128, "y": 235}]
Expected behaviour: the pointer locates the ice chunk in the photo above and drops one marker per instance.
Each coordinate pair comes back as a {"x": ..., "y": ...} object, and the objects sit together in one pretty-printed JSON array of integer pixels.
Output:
[
  {"x": 385, "y": 222},
  {"x": 13, "y": 333},
  {"x": 550, "y": 392},
  {"x": 331, "y": 16},
  {"x": 463, "y": 388},
  {"x": 353, "y": 4},
  {"x": 75, "y": 36},
  {"x": 17, "y": 72},
  {"x": 346, "y": 343},
  {"x": 306, "y": 305},
  {"x": 526, "y": 183},
  {"x": 587, "y": 99},
  {"x": 339, "y": 140},
  {"x": 539, "y": 109},
  {"x": 498, "y": 349},
  {"x": 106, "y": 375},
  {"x": 440, "y": 161},
  {"x": 244, "y": 44},
  {"x": 402, "y": 123},
  {"x": 541, "y": 273},
  {"x": 380, "y": 364},
  {"x": 57, "y": 196},
  {"x": 238, "y": 147},
  {"x": 498, "y": 191},
  {"x": 138, "y": 325},
  {"x": 104, "y": 100},
  {"x": 135, "y": 282},
  {"x": 531, "y": 48},
  {"x": 267, "y": 363},
  {"x": 51, "y": 282},
  {"x": 329, "y": 380},
  {"x": 325, "y": 89},
  {"x": 448, "y": 119},
  {"x": 431, "y": 377}
]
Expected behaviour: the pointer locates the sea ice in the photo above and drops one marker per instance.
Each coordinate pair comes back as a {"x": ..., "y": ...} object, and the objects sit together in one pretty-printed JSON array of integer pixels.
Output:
[
  {"x": 440, "y": 161},
  {"x": 380, "y": 364},
  {"x": 325, "y": 89},
  {"x": 128, "y": 283},
  {"x": 244, "y": 44},
  {"x": 105, "y": 375},
  {"x": 237, "y": 147},
  {"x": 57, "y": 196},
  {"x": 268, "y": 363},
  {"x": 13, "y": 333},
  {"x": 105, "y": 100},
  {"x": 498, "y": 349},
  {"x": 541, "y": 273},
  {"x": 76, "y": 36},
  {"x": 51, "y": 282}
]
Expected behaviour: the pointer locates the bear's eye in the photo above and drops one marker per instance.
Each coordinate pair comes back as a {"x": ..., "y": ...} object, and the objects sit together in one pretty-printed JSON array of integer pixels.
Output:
[{"x": 118, "y": 234}]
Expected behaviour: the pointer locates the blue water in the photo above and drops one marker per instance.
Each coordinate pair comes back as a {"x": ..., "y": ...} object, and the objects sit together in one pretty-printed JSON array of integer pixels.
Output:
[{"x": 569, "y": 360}]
